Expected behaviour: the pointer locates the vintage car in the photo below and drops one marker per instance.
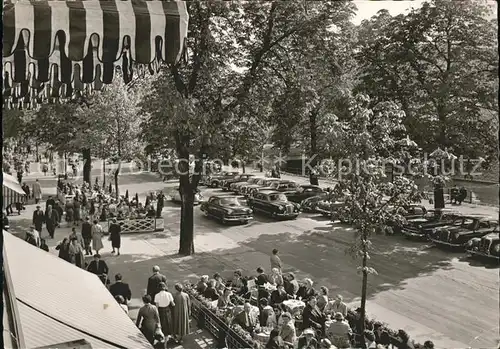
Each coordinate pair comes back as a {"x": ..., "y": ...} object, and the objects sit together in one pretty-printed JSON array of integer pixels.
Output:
[
  {"x": 304, "y": 192},
  {"x": 176, "y": 197},
  {"x": 284, "y": 186},
  {"x": 310, "y": 204},
  {"x": 486, "y": 247},
  {"x": 214, "y": 181},
  {"x": 238, "y": 186},
  {"x": 419, "y": 228},
  {"x": 412, "y": 211},
  {"x": 463, "y": 229},
  {"x": 226, "y": 183},
  {"x": 330, "y": 208},
  {"x": 227, "y": 208},
  {"x": 262, "y": 184},
  {"x": 273, "y": 203}
]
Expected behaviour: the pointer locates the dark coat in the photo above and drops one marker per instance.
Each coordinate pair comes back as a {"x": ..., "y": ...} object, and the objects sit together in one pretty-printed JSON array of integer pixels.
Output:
[
  {"x": 50, "y": 202},
  {"x": 211, "y": 293},
  {"x": 38, "y": 219},
  {"x": 154, "y": 284},
  {"x": 87, "y": 230},
  {"x": 115, "y": 230},
  {"x": 98, "y": 267},
  {"x": 306, "y": 293},
  {"x": 291, "y": 287},
  {"x": 262, "y": 279},
  {"x": 121, "y": 289},
  {"x": 63, "y": 251},
  {"x": 313, "y": 318},
  {"x": 277, "y": 298}
]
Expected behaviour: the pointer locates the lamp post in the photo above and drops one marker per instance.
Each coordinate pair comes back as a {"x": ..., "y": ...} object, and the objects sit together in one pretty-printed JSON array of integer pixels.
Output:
[{"x": 439, "y": 160}]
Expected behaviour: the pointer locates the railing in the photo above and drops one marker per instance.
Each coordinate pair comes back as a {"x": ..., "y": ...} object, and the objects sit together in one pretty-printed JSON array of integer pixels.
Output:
[
  {"x": 139, "y": 225},
  {"x": 224, "y": 335}
]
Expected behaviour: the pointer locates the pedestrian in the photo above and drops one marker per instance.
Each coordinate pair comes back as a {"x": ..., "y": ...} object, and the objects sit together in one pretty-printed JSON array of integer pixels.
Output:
[
  {"x": 92, "y": 209},
  {"x": 69, "y": 212},
  {"x": 50, "y": 202},
  {"x": 51, "y": 221},
  {"x": 115, "y": 231},
  {"x": 60, "y": 213},
  {"x": 181, "y": 314},
  {"x": 45, "y": 169},
  {"x": 97, "y": 237},
  {"x": 99, "y": 268},
  {"x": 26, "y": 189},
  {"x": 38, "y": 219},
  {"x": 20, "y": 175},
  {"x": 87, "y": 236},
  {"x": 75, "y": 252},
  {"x": 120, "y": 300},
  {"x": 120, "y": 288},
  {"x": 148, "y": 319},
  {"x": 462, "y": 195},
  {"x": 76, "y": 211},
  {"x": 276, "y": 260},
  {"x": 160, "y": 202},
  {"x": 43, "y": 245},
  {"x": 37, "y": 191},
  {"x": 165, "y": 303},
  {"x": 63, "y": 248},
  {"x": 30, "y": 238},
  {"x": 454, "y": 195},
  {"x": 154, "y": 282}
]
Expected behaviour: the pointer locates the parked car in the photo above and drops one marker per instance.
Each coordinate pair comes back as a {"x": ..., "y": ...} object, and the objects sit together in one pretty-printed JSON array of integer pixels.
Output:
[
  {"x": 274, "y": 203},
  {"x": 419, "y": 228},
  {"x": 261, "y": 185},
  {"x": 215, "y": 180},
  {"x": 330, "y": 208},
  {"x": 244, "y": 188},
  {"x": 238, "y": 186},
  {"x": 487, "y": 246},
  {"x": 456, "y": 235},
  {"x": 284, "y": 186},
  {"x": 304, "y": 192},
  {"x": 412, "y": 211},
  {"x": 176, "y": 197},
  {"x": 227, "y": 208},
  {"x": 310, "y": 204},
  {"x": 226, "y": 183}
]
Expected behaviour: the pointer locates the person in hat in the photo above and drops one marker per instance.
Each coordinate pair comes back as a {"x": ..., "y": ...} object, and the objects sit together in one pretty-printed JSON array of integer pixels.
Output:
[
  {"x": 165, "y": 303},
  {"x": 307, "y": 340},
  {"x": 339, "y": 332},
  {"x": 38, "y": 218},
  {"x": 287, "y": 330},
  {"x": 115, "y": 231}
]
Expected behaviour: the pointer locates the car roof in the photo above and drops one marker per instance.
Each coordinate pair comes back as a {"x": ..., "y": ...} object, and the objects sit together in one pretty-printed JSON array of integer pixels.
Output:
[
  {"x": 310, "y": 186},
  {"x": 482, "y": 217},
  {"x": 226, "y": 196},
  {"x": 269, "y": 192}
]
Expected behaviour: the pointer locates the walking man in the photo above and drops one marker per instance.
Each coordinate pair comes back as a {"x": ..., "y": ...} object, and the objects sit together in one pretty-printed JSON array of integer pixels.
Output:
[
  {"x": 154, "y": 282},
  {"x": 115, "y": 231},
  {"x": 37, "y": 191},
  {"x": 87, "y": 236},
  {"x": 120, "y": 288},
  {"x": 38, "y": 219}
]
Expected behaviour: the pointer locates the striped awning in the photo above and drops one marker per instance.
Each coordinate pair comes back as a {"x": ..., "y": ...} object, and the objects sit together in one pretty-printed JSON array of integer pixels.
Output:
[
  {"x": 53, "y": 48},
  {"x": 11, "y": 191}
]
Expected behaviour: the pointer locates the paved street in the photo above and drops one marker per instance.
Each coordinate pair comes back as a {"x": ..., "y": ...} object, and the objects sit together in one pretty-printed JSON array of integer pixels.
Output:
[{"x": 431, "y": 293}]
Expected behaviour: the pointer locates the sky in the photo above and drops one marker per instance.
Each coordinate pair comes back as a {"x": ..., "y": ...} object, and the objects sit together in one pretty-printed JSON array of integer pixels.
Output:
[{"x": 367, "y": 9}]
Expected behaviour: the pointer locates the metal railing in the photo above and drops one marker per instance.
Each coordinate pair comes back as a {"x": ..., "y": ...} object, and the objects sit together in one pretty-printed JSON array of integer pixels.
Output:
[{"x": 138, "y": 225}]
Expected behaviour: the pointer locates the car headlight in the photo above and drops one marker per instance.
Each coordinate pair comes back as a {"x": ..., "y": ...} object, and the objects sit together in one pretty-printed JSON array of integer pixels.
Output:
[
  {"x": 470, "y": 243},
  {"x": 456, "y": 236},
  {"x": 281, "y": 208},
  {"x": 496, "y": 248}
]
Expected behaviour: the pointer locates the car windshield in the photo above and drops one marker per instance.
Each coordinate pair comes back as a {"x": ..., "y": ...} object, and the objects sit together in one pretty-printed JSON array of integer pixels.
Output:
[
  {"x": 277, "y": 197},
  {"x": 232, "y": 201},
  {"x": 261, "y": 182},
  {"x": 274, "y": 185},
  {"x": 466, "y": 223}
]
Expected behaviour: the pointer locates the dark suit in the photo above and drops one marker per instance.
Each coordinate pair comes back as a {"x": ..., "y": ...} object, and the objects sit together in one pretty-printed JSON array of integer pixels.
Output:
[
  {"x": 277, "y": 298},
  {"x": 98, "y": 267},
  {"x": 121, "y": 289},
  {"x": 313, "y": 318},
  {"x": 50, "y": 202},
  {"x": 247, "y": 323},
  {"x": 154, "y": 284},
  {"x": 38, "y": 220},
  {"x": 313, "y": 344},
  {"x": 306, "y": 293},
  {"x": 87, "y": 236},
  {"x": 262, "y": 279}
]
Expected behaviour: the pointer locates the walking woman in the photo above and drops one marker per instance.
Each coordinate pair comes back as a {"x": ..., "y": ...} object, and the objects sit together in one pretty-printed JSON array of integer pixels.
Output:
[
  {"x": 148, "y": 319},
  {"x": 63, "y": 249},
  {"x": 97, "y": 236},
  {"x": 181, "y": 314},
  {"x": 115, "y": 230}
]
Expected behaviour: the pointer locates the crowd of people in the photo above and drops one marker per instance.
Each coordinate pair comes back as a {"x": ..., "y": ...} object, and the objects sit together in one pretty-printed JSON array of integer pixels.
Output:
[{"x": 322, "y": 322}]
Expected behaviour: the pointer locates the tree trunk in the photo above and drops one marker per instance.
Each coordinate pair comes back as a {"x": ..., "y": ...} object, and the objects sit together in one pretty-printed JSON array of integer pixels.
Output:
[
  {"x": 104, "y": 173},
  {"x": 117, "y": 172},
  {"x": 87, "y": 165},
  {"x": 363, "y": 289},
  {"x": 438, "y": 197},
  {"x": 186, "y": 243}
]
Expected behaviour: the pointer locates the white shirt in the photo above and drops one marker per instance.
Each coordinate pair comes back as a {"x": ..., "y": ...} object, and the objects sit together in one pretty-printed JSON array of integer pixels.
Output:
[
  {"x": 36, "y": 234},
  {"x": 163, "y": 299}
]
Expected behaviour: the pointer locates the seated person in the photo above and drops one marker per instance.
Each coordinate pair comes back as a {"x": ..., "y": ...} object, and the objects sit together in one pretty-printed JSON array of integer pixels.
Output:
[
  {"x": 306, "y": 291},
  {"x": 308, "y": 340},
  {"x": 236, "y": 281},
  {"x": 202, "y": 284},
  {"x": 225, "y": 300},
  {"x": 211, "y": 292},
  {"x": 279, "y": 295},
  {"x": 291, "y": 284},
  {"x": 267, "y": 318},
  {"x": 247, "y": 319},
  {"x": 312, "y": 317},
  {"x": 339, "y": 332}
]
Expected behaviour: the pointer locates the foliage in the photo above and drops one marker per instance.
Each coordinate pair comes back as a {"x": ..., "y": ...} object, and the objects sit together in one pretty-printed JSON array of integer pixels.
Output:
[{"x": 440, "y": 63}]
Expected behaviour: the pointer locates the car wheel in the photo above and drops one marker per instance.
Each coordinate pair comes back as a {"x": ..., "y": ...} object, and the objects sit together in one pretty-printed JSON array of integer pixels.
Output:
[{"x": 205, "y": 213}]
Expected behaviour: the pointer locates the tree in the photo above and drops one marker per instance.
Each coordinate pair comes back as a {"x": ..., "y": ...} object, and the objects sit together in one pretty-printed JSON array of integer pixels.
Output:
[
  {"x": 208, "y": 89},
  {"x": 366, "y": 143},
  {"x": 114, "y": 120},
  {"x": 440, "y": 63}
]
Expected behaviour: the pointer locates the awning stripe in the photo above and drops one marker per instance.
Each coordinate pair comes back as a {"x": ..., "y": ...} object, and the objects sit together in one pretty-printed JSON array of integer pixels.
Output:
[{"x": 55, "y": 46}]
